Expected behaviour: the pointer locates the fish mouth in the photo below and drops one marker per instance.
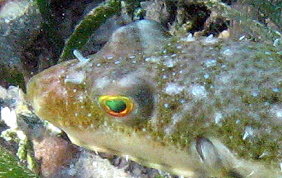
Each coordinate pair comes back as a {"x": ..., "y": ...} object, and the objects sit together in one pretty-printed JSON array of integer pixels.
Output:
[{"x": 136, "y": 147}]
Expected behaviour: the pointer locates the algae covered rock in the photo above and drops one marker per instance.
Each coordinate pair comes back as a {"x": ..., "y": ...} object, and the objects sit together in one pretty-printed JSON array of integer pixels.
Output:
[{"x": 10, "y": 166}]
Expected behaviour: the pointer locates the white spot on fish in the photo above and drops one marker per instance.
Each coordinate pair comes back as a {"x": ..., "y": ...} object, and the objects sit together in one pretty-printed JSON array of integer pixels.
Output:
[
  {"x": 76, "y": 77},
  {"x": 169, "y": 63},
  {"x": 263, "y": 154},
  {"x": 270, "y": 58},
  {"x": 217, "y": 117},
  {"x": 276, "y": 42},
  {"x": 255, "y": 93},
  {"x": 251, "y": 173},
  {"x": 275, "y": 90},
  {"x": 127, "y": 80},
  {"x": 198, "y": 91},
  {"x": 249, "y": 132},
  {"x": 276, "y": 111},
  {"x": 206, "y": 76},
  {"x": 102, "y": 82},
  {"x": 242, "y": 37},
  {"x": 173, "y": 89},
  {"x": 166, "y": 105},
  {"x": 182, "y": 101},
  {"x": 80, "y": 98},
  {"x": 227, "y": 52},
  {"x": 153, "y": 59},
  {"x": 179, "y": 47},
  {"x": 109, "y": 57},
  {"x": 175, "y": 119},
  {"x": 117, "y": 62},
  {"x": 210, "y": 63},
  {"x": 225, "y": 78}
]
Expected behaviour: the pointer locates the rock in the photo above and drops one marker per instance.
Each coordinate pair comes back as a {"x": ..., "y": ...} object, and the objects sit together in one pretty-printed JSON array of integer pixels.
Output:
[
  {"x": 163, "y": 12},
  {"x": 53, "y": 153},
  {"x": 19, "y": 25},
  {"x": 88, "y": 165}
]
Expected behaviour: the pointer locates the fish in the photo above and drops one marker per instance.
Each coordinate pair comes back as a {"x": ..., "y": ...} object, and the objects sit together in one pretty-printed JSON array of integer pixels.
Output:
[{"x": 192, "y": 106}]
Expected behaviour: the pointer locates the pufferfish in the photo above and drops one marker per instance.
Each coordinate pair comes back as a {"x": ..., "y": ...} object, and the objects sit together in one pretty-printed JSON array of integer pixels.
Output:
[{"x": 194, "y": 107}]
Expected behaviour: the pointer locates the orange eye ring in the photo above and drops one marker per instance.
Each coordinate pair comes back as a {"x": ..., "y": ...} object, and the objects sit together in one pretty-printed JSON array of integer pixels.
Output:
[{"x": 118, "y": 106}]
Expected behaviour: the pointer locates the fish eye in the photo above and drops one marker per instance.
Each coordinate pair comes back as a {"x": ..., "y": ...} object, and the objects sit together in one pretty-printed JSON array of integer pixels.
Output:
[{"x": 118, "y": 106}]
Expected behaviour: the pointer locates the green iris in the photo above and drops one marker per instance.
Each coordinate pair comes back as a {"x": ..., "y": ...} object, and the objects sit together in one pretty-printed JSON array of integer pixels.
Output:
[{"x": 116, "y": 105}]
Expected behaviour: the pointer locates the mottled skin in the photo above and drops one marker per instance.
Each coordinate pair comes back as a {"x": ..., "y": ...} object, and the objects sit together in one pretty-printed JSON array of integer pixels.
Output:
[{"x": 202, "y": 108}]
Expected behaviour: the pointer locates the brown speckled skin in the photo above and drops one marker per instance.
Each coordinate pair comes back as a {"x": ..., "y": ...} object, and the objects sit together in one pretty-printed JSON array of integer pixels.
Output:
[{"x": 226, "y": 92}]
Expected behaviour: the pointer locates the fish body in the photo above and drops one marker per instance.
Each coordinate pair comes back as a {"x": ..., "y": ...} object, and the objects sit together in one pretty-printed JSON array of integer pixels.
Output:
[{"x": 201, "y": 107}]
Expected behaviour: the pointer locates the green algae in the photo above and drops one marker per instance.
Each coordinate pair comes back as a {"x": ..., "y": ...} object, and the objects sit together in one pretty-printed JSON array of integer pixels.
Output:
[
  {"x": 12, "y": 76},
  {"x": 49, "y": 26},
  {"x": 11, "y": 167},
  {"x": 268, "y": 9},
  {"x": 132, "y": 8},
  {"x": 91, "y": 22}
]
